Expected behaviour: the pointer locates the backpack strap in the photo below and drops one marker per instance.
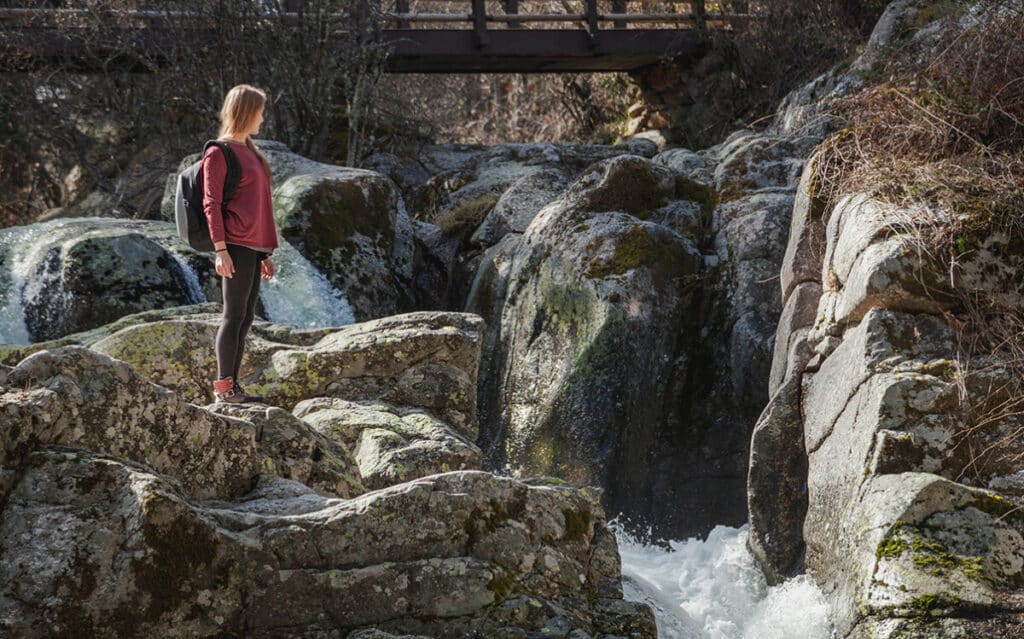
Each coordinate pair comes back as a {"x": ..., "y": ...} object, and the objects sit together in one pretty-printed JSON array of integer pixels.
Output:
[{"x": 234, "y": 169}]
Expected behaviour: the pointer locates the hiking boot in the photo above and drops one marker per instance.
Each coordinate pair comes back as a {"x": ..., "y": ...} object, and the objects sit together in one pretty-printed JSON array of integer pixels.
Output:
[
  {"x": 224, "y": 390},
  {"x": 246, "y": 397}
]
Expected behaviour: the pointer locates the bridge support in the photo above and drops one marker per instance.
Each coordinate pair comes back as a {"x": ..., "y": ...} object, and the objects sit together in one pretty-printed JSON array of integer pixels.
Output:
[{"x": 665, "y": 99}]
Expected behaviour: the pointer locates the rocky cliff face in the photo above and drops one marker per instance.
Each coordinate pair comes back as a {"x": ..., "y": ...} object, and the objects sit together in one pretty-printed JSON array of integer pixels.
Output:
[
  {"x": 629, "y": 327},
  {"x": 865, "y": 467}
]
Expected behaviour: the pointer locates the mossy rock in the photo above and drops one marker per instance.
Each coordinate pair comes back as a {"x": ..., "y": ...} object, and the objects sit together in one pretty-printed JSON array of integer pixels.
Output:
[{"x": 348, "y": 223}]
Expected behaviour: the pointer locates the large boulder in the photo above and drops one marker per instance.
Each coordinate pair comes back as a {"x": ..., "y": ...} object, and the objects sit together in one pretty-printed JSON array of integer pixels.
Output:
[
  {"x": 50, "y": 274},
  {"x": 590, "y": 281},
  {"x": 117, "y": 550},
  {"x": 349, "y": 223}
]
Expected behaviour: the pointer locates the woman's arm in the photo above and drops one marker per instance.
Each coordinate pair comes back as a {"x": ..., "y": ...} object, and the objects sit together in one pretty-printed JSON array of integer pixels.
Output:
[{"x": 214, "y": 173}]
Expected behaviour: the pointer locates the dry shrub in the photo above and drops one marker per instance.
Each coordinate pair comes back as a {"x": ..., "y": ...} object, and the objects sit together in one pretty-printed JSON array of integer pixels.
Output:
[
  {"x": 763, "y": 59},
  {"x": 507, "y": 107},
  {"x": 154, "y": 104},
  {"x": 943, "y": 126}
]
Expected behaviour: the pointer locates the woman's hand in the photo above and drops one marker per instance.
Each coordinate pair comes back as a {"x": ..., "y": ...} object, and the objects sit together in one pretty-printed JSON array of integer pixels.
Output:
[
  {"x": 267, "y": 269},
  {"x": 224, "y": 266}
]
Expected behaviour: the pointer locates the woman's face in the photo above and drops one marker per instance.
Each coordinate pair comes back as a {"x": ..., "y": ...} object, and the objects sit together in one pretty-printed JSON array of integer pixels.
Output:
[{"x": 255, "y": 128}]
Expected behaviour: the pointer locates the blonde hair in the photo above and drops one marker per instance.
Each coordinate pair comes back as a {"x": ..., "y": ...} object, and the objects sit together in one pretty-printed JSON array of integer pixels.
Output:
[{"x": 241, "y": 106}]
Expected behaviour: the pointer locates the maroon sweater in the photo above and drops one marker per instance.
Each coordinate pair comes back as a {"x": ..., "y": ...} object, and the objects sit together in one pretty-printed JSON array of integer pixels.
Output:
[{"x": 249, "y": 218}]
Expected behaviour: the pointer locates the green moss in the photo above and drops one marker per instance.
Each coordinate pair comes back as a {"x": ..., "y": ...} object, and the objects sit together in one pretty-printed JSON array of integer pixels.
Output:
[
  {"x": 566, "y": 307},
  {"x": 328, "y": 213},
  {"x": 848, "y": 61},
  {"x": 892, "y": 545},
  {"x": 635, "y": 249},
  {"x": 502, "y": 585},
  {"x": 999, "y": 507},
  {"x": 928, "y": 554},
  {"x": 944, "y": 369},
  {"x": 926, "y": 605},
  {"x": 268, "y": 466},
  {"x": 735, "y": 189},
  {"x": 577, "y": 525},
  {"x": 691, "y": 191}
]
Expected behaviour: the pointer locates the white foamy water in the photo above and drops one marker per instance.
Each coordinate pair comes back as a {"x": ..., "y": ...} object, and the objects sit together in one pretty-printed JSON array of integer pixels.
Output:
[
  {"x": 713, "y": 589},
  {"x": 195, "y": 289},
  {"x": 301, "y": 295},
  {"x": 18, "y": 248}
]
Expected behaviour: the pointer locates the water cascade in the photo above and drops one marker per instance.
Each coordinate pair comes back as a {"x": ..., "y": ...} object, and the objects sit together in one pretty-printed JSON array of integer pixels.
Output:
[
  {"x": 19, "y": 247},
  {"x": 713, "y": 589},
  {"x": 299, "y": 294}
]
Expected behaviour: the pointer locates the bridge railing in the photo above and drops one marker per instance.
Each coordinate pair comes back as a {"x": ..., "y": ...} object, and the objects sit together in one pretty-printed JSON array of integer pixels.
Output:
[
  {"x": 479, "y": 15},
  {"x": 482, "y": 15}
]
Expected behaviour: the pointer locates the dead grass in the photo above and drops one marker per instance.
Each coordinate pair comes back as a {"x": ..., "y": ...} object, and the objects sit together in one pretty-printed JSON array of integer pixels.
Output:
[
  {"x": 464, "y": 218},
  {"x": 943, "y": 127}
]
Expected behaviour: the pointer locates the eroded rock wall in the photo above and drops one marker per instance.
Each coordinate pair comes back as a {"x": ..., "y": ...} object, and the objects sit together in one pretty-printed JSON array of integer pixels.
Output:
[{"x": 863, "y": 470}]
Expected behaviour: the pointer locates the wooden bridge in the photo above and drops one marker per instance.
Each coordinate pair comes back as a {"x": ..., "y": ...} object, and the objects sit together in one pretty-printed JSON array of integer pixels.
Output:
[{"x": 426, "y": 36}]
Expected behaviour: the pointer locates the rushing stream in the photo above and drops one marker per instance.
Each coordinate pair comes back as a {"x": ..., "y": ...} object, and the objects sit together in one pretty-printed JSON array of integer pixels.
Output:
[
  {"x": 299, "y": 294},
  {"x": 713, "y": 589}
]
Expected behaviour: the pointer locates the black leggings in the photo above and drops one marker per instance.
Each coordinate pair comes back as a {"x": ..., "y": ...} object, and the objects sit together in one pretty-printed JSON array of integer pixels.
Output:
[{"x": 240, "y": 295}]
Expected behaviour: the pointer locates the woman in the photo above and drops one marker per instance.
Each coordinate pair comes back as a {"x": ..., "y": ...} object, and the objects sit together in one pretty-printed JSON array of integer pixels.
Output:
[{"x": 243, "y": 235}]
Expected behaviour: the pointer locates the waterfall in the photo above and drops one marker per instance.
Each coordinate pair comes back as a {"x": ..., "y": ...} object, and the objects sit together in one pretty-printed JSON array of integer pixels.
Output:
[
  {"x": 301, "y": 295},
  {"x": 195, "y": 289},
  {"x": 18, "y": 253},
  {"x": 713, "y": 589}
]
